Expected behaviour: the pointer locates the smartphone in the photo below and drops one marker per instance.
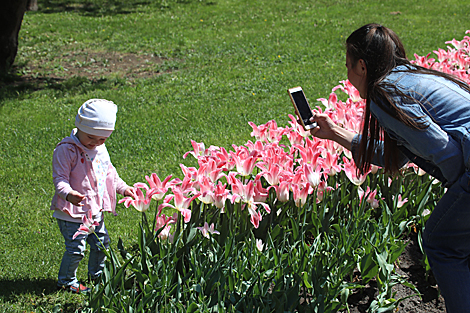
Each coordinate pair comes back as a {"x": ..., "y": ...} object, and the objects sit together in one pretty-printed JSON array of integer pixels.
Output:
[{"x": 301, "y": 107}]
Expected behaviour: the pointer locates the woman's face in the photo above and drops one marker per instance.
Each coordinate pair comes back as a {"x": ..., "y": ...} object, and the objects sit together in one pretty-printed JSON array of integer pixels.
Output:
[{"x": 357, "y": 75}]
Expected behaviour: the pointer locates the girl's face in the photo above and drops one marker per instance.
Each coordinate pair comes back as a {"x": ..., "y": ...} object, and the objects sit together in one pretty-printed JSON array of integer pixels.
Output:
[
  {"x": 357, "y": 75},
  {"x": 90, "y": 141}
]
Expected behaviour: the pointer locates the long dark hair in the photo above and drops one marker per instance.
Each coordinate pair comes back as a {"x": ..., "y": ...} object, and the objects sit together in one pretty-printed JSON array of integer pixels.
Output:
[{"x": 382, "y": 51}]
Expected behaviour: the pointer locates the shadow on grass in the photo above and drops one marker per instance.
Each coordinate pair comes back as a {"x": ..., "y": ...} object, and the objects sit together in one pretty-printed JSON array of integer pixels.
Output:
[
  {"x": 12, "y": 86},
  {"x": 108, "y": 7},
  {"x": 39, "y": 287},
  {"x": 93, "y": 8},
  {"x": 38, "y": 295}
]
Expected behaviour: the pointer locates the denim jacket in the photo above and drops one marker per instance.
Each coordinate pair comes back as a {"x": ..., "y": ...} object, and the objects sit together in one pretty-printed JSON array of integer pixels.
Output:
[{"x": 443, "y": 148}]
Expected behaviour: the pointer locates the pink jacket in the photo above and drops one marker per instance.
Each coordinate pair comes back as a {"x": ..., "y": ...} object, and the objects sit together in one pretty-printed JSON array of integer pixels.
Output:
[{"x": 72, "y": 171}]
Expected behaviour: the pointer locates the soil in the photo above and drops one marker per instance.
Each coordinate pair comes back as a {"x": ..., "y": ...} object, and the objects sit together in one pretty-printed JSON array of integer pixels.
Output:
[
  {"x": 90, "y": 65},
  {"x": 410, "y": 268},
  {"x": 96, "y": 66}
]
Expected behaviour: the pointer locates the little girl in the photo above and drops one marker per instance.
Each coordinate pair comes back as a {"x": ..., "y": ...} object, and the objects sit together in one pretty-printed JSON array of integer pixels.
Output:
[{"x": 85, "y": 180}]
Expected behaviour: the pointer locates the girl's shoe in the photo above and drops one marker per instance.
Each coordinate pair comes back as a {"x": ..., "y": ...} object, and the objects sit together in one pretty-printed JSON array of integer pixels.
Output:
[{"x": 76, "y": 288}]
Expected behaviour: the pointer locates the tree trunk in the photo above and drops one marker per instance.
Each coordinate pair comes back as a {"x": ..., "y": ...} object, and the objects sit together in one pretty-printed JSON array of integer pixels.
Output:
[
  {"x": 32, "y": 5},
  {"x": 11, "y": 16}
]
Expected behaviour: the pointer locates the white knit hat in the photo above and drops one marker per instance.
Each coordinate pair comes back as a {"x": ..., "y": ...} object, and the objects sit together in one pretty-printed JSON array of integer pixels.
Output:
[{"x": 97, "y": 117}]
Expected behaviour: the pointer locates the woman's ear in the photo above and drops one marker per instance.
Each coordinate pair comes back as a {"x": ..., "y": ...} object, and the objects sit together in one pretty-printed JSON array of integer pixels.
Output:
[{"x": 363, "y": 67}]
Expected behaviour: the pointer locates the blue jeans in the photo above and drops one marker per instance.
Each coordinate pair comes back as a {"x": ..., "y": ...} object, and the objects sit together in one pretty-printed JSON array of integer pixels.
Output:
[
  {"x": 75, "y": 248},
  {"x": 446, "y": 240}
]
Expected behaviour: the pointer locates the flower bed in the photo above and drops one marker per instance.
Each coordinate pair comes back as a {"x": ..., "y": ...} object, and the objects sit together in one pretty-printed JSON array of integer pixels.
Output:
[{"x": 280, "y": 223}]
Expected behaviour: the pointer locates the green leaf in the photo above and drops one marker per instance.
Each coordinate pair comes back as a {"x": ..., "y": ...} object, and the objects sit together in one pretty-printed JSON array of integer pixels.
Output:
[
  {"x": 368, "y": 267},
  {"x": 192, "y": 308},
  {"x": 305, "y": 279}
]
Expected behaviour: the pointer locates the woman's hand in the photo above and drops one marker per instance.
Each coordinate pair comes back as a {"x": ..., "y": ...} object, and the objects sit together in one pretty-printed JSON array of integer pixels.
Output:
[
  {"x": 327, "y": 129},
  {"x": 325, "y": 126}
]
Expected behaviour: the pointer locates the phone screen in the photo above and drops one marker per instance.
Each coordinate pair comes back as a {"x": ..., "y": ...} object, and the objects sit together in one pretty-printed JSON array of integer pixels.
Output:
[{"x": 302, "y": 106}]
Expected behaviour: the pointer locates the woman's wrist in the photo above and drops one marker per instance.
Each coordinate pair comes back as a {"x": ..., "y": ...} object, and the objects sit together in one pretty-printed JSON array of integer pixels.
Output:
[{"x": 343, "y": 137}]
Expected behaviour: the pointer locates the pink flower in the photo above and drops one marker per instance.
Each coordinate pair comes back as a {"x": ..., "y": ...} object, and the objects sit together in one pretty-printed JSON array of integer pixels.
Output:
[
  {"x": 259, "y": 245},
  {"x": 141, "y": 203},
  {"x": 181, "y": 202},
  {"x": 351, "y": 172},
  {"x": 400, "y": 202},
  {"x": 282, "y": 191},
  {"x": 300, "y": 194},
  {"x": 206, "y": 188},
  {"x": 298, "y": 133},
  {"x": 321, "y": 189},
  {"x": 330, "y": 164},
  {"x": 246, "y": 194},
  {"x": 88, "y": 226},
  {"x": 370, "y": 196},
  {"x": 245, "y": 163},
  {"x": 220, "y": 195},
  {"x": 348, "y": 88},
  {"x": 313, "y": 175},
  {"x": 165, "y": 223},
  {"x": 260, "y": 194},
  {"x": 199, "y": 150},
  {"x": 272, "y": 174},
  {"x": 160, "y": 187},
  {"x": 259, "y": 132},
  {"x": 206, "y": 230}
]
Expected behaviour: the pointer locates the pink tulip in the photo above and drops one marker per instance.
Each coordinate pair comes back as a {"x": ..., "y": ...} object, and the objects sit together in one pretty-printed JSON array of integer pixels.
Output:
[
  {"x": 311, "y": 152},
  {"x": 260, "y": 194},
  {"x": 165, "y": 223},
  {"x": 206, "y": 189},
  {"x": 275, "y": 133},
  {"x": 259, "y": 132},
  {"x": 181, "y": 203},
  {"x": 330, "y": 164},
  {"x": 246, "y": 194},
  {"x": 225, "y": 161},
  {"x": 245, "y": 163},
  {"x": 282, "y": 191},
  {"x": 400, "y": 202},
  {"x": 160, "y": 187},
  {"x": 220, "y": 196},
  {"x": 300, "y": 194},
  {"x": 259, "y": 245},
  {"x": 370, "y": 196},
  {"x": 350, "y": 170},
  {"x": 199, "y": 150},
  {"x": 298, "y": 133},
  {"x": 206, "y": 230},
  {"x": 271, "y": 174},
  {"x": 88, "y": 226},
  {"x": 312, "y": 174},
  {"x": 141, "y": 203},
  {"x": 321, "y": 189}
]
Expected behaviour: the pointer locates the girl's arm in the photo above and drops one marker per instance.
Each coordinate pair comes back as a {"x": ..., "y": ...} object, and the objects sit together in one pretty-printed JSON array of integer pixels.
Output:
[{"x": 61, "y": 167}]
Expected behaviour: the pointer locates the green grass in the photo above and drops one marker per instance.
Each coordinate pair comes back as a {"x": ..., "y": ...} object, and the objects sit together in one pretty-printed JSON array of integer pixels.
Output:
[{"x": 231, "y": 62}]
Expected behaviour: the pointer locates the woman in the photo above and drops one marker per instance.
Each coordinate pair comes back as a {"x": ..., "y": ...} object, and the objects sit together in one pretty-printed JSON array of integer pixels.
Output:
[{"x": 423, "y": 116}]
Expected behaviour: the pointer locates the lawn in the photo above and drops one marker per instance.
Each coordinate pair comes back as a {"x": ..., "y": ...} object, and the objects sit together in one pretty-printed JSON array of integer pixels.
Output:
[{"x": 205, "y": 69}]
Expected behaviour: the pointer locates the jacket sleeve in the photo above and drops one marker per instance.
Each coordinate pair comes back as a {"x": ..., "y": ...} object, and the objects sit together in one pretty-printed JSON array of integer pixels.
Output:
[
  {"x": 121, "y": 185},
  {"x": 378, "y": 157},
  {"x": 432, "y": 143},
  {"x": 62, "y": 160}
]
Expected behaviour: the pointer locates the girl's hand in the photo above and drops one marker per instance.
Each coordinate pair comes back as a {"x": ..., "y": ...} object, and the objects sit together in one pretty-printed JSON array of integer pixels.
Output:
[
  {"x": 130, "y": 192},
  {"x": 75, "y": 198}
]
